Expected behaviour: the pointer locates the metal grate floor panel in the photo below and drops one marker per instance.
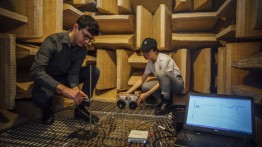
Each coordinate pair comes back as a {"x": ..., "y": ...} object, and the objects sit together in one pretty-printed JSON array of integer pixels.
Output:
[{"x": 113, "y": 128}]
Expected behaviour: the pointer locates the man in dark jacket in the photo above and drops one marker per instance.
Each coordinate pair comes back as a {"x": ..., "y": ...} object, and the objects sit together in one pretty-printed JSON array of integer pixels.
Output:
[{"x": 57, "y": 67}]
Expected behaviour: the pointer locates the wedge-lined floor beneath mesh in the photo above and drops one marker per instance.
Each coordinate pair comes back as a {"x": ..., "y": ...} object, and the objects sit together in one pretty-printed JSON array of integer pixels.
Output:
[{"x": 112, "y": 129}]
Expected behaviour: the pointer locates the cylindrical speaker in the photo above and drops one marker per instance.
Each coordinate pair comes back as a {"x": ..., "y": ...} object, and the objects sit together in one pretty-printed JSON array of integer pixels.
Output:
[
  {"x": 133, "y": 105},
  {"x": 121, "y": 104}
]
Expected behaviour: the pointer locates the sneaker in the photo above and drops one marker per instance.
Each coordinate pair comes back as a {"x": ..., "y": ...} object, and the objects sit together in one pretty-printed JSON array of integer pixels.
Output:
[{"x": 163, "y": 108}]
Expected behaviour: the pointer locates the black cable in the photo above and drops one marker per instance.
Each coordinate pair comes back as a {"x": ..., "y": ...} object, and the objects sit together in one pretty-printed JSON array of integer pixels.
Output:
[
  {"x": 165, "y": 130},
  {"x": 104, "y": 137},
  {"x": 154, "y": 143},
  {"x": 174, "y": 134}
]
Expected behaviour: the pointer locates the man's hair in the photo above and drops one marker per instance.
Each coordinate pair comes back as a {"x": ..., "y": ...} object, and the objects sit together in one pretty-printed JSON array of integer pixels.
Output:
[{"x": 89, "y": 22}]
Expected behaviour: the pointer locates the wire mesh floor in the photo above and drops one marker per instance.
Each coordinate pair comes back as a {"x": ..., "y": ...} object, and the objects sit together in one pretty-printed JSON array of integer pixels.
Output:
[{"x": 112, "y": 129}]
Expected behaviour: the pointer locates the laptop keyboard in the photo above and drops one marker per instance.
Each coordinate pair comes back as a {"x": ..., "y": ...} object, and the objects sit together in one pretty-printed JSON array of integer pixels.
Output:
[{"x": 204, "y": 139}]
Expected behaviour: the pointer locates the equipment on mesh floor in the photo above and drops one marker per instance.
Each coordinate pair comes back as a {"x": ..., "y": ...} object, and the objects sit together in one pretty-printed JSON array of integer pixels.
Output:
[
  {"x": 127, "y": 99},
  {"x": 138, "y": 136},
  {"x": 178, "y": 117}
]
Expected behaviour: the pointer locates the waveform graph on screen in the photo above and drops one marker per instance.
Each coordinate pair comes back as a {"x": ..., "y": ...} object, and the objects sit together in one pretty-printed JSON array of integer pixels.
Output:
[{"x": 221, "y": 113}]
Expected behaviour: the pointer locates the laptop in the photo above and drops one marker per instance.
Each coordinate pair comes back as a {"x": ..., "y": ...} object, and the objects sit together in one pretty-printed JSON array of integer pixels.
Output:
[{"x": 217, "y": 120}]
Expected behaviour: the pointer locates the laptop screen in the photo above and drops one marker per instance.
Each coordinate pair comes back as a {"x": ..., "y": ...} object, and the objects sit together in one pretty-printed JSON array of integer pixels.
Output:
[{"x": 217, "y": 113}]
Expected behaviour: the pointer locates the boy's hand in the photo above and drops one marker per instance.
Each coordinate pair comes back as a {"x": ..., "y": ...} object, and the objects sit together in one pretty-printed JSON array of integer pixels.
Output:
[{"x": 141, "y": 97}]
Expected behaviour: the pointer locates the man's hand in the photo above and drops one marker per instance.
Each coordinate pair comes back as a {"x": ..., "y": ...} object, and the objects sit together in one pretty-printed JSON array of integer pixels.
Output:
[
  {"x": 141, "y": 97},
  {"x": 79, "y": 97},
  {"x": 73, "y": 93}
]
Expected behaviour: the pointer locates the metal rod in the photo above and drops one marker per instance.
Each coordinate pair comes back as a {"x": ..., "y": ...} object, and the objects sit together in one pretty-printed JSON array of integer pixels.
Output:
[{"x": 90, "y": 89}]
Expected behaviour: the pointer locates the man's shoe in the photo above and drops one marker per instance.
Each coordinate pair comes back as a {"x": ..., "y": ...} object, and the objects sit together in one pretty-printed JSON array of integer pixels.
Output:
[
  {"x": 163, "y": 108},
  {"x": 48, "y": 119},
  {"x": 48, "y": 115},
  {"x": 81, "y": 113}
]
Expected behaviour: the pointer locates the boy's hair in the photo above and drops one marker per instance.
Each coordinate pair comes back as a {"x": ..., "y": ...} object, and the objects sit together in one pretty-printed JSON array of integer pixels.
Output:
[
  {"x": 89, "y": 22},
  {"x": 155, "y": 49}
]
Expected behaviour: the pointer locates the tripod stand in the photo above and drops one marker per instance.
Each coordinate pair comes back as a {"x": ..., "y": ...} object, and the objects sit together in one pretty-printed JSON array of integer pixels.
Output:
[{"x": 81, "y": 133}]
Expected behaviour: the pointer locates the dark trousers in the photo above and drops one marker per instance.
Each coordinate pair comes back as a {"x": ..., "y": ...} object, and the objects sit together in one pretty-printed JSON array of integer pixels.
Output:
[{"x": 42, "y": 97}]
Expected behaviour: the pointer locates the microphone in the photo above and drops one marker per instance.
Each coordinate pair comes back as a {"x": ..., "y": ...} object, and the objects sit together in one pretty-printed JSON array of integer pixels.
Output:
[{"x": 86, "y": 101}]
